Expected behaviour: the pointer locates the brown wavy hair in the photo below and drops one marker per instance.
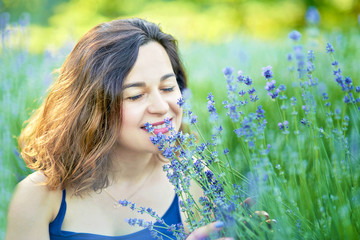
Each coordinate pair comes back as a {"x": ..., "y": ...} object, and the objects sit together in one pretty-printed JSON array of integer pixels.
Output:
[{"x": 69, "y": 137}]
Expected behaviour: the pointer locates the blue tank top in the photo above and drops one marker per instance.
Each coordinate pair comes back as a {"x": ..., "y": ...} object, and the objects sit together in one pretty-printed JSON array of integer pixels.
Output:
[{"x": 172, "y": 216}]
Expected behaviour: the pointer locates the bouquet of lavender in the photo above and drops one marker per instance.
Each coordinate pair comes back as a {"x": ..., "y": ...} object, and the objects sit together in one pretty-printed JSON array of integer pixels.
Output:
[{"x": 305, "y": 173}]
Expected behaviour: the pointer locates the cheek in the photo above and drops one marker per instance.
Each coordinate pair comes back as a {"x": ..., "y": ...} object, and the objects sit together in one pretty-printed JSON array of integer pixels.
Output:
[{"x": 129, "y": 115}]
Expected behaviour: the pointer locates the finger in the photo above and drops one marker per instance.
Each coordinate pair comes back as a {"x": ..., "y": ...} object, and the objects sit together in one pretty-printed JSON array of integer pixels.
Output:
[
  {"x": 271, "y": 221},
  {"x": 248, "y": 202},
  {"x": 205, "y": 231},
  {"x": 262, "y": 214}
]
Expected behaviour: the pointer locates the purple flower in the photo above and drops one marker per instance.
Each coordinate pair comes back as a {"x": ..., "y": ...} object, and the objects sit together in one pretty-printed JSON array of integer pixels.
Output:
[
  {"x": 289, "y": 57},
  {"x": 228, "y": 71},
  {"x": 312, "y": 15},
  {"x": 281, "y": 126},
  {"x": 248, "y": 81},
  {"x": 329, "y": 48},
  {"x": 226, "y": 151},
  {"x": 325, "y": 96},
  {"x": 251, "y": 91},
  {"x": 193, "y": 119},
  {"x": 282, "y": 87},
  {"x": 357, "y": 89},
  {"x": 253, "y": 98},
  {"x": 149, "y": 127},
  {"x": 270, "y": 85},
  {"x": 211, "y": 106},
  {"x": 168, "y": 153},
  {"x": 242, "y": 93},
  {"x": 124, "y": 202},
  {"x": 180, "y": 102},
  {"x": 311, "y": 56},
  {"x": 304, "y": 121},
  {"x": 286, "y": 124},
  {"x": 240, "y": 76},
  {"x": 267, "y": 73},
  {"x": 348, "y": 80},
  {"x": 274, "y": 94},
  {"x": 131, "y": 221},
  {"x": 295, "y": 35},
  {"x": 260, "y": 112},
  {"x": 347, "y": 99},
  {"x": 168, "y": 124}
]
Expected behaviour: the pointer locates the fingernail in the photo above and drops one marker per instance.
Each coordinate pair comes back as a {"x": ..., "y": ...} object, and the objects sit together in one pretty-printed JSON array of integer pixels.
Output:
[{"x": 219, "y": 224}]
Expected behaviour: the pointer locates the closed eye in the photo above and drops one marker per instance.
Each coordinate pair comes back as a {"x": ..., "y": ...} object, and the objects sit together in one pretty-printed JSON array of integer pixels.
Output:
[
  {"x": 168, "y": 89},
  {"x": 133, "y": 98}
]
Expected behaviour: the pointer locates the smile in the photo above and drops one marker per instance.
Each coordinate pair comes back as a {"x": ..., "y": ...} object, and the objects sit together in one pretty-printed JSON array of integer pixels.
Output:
[{"x": 159, "y": 127}]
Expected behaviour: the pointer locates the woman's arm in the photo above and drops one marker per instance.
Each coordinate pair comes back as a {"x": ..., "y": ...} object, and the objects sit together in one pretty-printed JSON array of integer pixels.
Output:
[{"x": 31, "y": 210}]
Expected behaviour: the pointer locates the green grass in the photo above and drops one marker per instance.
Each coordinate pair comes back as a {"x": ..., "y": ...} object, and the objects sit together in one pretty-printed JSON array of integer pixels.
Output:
[
  {"x": 315, "y": 191},
  {"x": 312, "y": 185}
]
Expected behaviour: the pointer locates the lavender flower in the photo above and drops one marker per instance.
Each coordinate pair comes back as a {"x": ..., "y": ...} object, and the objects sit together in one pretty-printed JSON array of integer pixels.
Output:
[
  {"x": 242, "y": 93},
  {"x": 260, "y": 112},
  {"x": 149, "y": 127},
  {"x": 240, "y": 76},
  {"x": 180, "y": 102},
  {"x": 274, "y": 94},
  {"x": 267, "y": 73},
  {"x": 312, "y": 15},
  {"x": 325, "y": 96},
  {"x": 251, "y": 90},
  {"x": 248, "y": 81},
  {"x": 304, "y": 121},
  {"x": 289, "y": 57},
  {"x": 329, "y": 48},
  {"x": 283, "y": 125},
  {"x": 228, "y": 71},
  {"x": 270, "y": 85},
  {"x": 282, "y": 87},
  {"x": 211, "y": 107},
  {"x": 253, "y": 98},
  {"x": 168, "y": 153},
  {"x": 295, "y": 35},
  {"x": 193, "y": 119}
]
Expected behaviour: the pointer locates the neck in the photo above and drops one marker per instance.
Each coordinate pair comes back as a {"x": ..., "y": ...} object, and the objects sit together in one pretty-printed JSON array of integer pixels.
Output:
[{"x": 130, "y": 167}]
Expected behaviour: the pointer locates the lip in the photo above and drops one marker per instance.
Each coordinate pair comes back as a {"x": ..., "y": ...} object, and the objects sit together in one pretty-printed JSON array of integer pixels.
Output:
[
  {"x": 156, "y": 131},
  {"x": 156, "y": 123}
]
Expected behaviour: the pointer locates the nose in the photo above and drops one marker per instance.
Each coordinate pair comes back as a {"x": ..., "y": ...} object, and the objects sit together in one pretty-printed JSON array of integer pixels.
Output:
[{"x": 158, "y": 104}]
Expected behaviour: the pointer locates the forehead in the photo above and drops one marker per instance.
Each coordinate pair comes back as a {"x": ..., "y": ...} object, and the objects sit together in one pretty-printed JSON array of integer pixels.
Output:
[{"x": 151, "y": 64}]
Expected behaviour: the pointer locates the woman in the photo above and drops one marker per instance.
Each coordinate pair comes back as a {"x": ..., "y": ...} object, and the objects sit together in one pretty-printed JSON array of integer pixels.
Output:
[{"x": 88, "y": 145}]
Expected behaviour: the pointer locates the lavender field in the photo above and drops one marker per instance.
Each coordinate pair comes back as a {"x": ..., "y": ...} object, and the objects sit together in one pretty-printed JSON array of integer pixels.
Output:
[{"x": 281, "y": 125}]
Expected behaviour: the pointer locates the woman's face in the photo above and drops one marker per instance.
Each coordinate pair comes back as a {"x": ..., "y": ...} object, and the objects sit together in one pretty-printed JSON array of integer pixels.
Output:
[{"x": 150, "y": 94}]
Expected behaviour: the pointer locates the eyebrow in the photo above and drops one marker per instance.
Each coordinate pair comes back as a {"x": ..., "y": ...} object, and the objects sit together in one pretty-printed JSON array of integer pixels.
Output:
[{"x": 142, "y": 84}]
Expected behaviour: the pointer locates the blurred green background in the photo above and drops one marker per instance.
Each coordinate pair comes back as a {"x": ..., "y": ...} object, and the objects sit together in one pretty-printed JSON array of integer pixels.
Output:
[
  {"x": 53, "y": 22},
  {"x": 247, "y": 35}
]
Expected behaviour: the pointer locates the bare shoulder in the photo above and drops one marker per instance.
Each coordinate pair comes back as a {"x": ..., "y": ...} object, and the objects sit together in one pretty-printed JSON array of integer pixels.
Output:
[
  {"x": 35, "y": 191},
  {"x": 34, "y": 203}
]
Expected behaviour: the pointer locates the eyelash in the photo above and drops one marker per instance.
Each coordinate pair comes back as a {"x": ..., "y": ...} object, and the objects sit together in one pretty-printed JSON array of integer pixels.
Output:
[
  {"x": 133, "y": 98},
  {"x": 169, "y": 89}
]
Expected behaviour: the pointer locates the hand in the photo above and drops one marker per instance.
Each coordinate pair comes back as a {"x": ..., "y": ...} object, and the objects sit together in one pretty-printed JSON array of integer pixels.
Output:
[
  {"x": 261, "y": 214},
  {"x": 205, "y": 231}
]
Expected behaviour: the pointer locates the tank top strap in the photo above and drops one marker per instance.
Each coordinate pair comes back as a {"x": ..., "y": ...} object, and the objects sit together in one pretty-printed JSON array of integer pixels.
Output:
[{"x": 55, "y": 226}]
